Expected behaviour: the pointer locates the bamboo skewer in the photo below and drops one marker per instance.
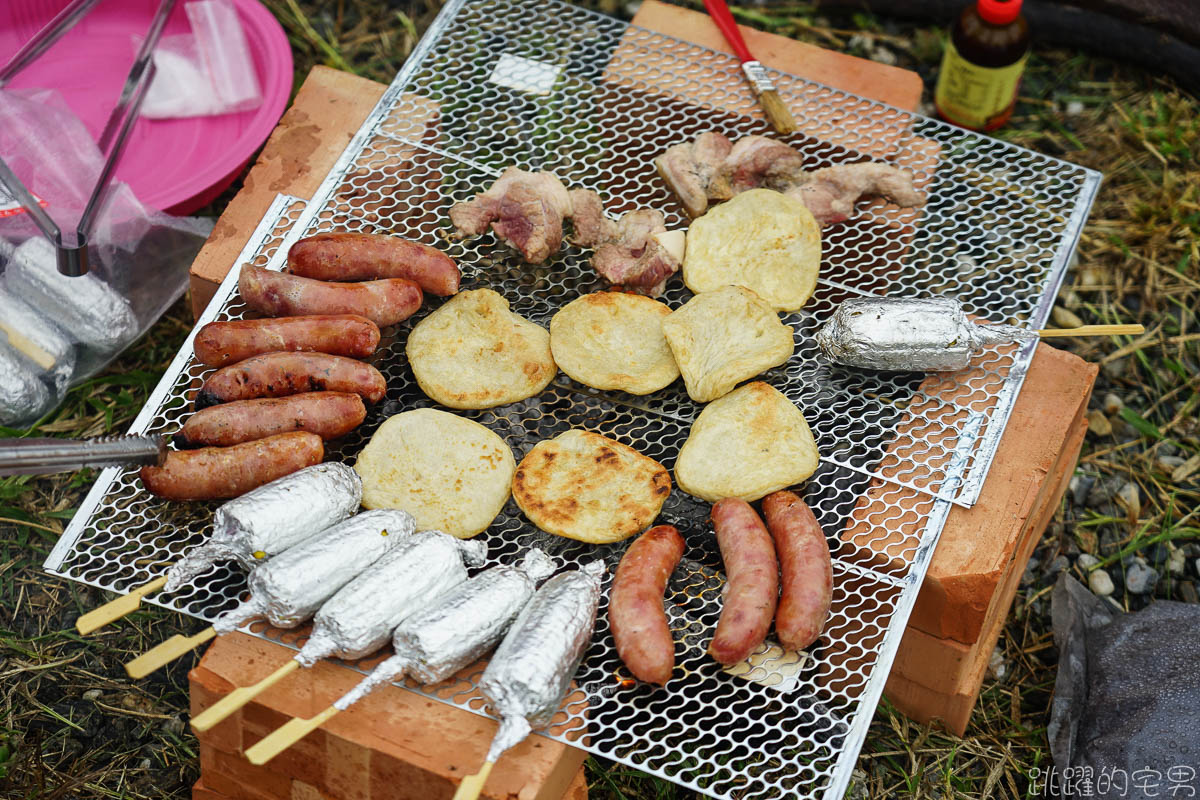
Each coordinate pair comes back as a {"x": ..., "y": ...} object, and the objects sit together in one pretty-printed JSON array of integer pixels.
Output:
[
  {"x": 287, "y": 735},
  {"x": 1092, "y": 330},
  {"x": 240, "y": 697},
  {"x": 113, "y": 610},
  {"x": 166, "y": 652},
  {"x": 472, "y": 785}
]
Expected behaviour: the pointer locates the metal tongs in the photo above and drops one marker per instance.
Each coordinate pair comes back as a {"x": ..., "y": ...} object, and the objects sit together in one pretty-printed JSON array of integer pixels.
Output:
[
  {"x": 47, "y": 456},
  {"x": 71, "y": 247}
]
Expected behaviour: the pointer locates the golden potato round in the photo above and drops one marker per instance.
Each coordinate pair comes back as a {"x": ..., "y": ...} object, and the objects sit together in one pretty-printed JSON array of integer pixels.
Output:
[
  {"x": 760, "y": 239},
  {"x": 613, "y": 341},
  {"x": 450, "y": 473},
  {"x": 475, "y": 353},
  {"x": 751, "y": 442},
  {"x": 585, "y": 486},
  {"x": 723, "y": 337}
]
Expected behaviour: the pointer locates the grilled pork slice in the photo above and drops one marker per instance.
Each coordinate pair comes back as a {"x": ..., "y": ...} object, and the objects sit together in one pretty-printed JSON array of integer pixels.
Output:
[
  {"x": 634, "y": 258},
  {"x": 524, "y": 209},
  {"x": 713, "y": 169}
]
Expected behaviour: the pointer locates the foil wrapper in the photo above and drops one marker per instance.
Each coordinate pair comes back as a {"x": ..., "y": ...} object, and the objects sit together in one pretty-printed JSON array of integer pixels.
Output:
[
  {"x": 459, "y": 628},
  {"x": 528, "y": 676},
  {"x": 289, "y": 588},
  {"x": 39, "y": 340},
  {"x": 85, "y": 307},
  {"x": 911, "y": 335},
  {"x": 360, "y": 618},
  {"x": 23, "y": 396},
  {"x": 266, "y": 521}
]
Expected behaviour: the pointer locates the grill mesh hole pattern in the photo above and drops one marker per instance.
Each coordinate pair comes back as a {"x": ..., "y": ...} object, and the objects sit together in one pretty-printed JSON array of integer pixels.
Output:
[{"x": 897, "y": 450}]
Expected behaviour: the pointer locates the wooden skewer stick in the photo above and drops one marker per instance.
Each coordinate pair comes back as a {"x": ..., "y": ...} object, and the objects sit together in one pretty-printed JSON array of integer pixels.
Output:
[
  {"x": 115, "y": 609},
  {"x": 472, "y": 785},
  {"x": 287, "y": 735},
  {"x": 239, "y": 697},
  {"x": 1092, "y": 330},
  {"x": 166, "y": 652}
]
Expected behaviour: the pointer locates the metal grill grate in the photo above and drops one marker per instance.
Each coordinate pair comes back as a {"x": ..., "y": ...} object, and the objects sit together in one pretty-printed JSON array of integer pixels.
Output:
[{"x": 595, "y": 100}]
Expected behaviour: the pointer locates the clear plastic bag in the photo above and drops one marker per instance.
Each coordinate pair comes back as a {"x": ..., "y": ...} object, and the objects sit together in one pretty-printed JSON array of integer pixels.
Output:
[
  {"x": 205, "y": 72},
  {"x": 57, "y": 330}
]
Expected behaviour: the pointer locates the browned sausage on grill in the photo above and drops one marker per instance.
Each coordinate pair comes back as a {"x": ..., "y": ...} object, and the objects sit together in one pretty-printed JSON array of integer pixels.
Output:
[
  {"x": 368, "y": 256},
  {"x": 278, "y": 294},
  {"x": 635, "y": 606},
  {"x": 752, "y": 575},
  {"x": 221, "y": 343},
  {"x": 806, "y": 567},
  {"x": 283, "y": 374},
  {"x": 327, "y": 414},
  {"x": 217, "y": 473}
]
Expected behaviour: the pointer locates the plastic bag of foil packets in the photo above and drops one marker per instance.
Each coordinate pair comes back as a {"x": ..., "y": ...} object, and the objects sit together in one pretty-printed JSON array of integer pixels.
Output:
[{"x": 56, "y": 330}]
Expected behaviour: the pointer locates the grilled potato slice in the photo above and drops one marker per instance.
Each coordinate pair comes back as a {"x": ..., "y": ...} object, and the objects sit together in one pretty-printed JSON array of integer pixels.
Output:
[
  {"x": 613, "y": 340},
  {"x": 585, "y": 486},
  {"x": 760, "y": 239},
  {"x": 723, "y": 337},
  {"x": 475, "y": 353},
  {"x": 450, "y": 473},
  {"x": 751, "y": 442}
]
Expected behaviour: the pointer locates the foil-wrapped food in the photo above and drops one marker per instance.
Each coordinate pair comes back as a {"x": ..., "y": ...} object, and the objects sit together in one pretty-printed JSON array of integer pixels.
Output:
[
  {"x": 268, "y": 520},
  {"x": 360, "y": 618},
  {"x": 23, "y": 396},
  {"x": 459, "y": 628},
  {"x": 528, "y": 677},
  {"x": 38, "y": 339},
  {"x": 910, "y": 335},
  {"x": 85, "y": 307},
  {"x": 289, "y": 588}
]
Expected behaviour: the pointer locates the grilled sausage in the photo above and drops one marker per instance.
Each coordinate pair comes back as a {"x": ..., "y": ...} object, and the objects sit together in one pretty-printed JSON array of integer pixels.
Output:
[
  {"x": 368, "y": 256},
  {"x": 327, "y": 414},
  {"x": 283, "y": 374},
  {"x": 278, "y": 294},
  {"x": 635, "y": 606},
  {"x": 221, "y": 343},
  {"x": 218, "y": 473},
  {"x": 806, "y": 568},
  {"x": 752, "y": 574}
]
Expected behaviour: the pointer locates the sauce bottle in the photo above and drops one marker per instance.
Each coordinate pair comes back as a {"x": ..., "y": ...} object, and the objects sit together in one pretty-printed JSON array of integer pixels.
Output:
[{"x": 982, "y": 66}]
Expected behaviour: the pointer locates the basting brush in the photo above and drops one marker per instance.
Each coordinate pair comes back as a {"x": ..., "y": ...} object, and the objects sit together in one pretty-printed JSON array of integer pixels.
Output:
[{"x": 772, "y": 104}]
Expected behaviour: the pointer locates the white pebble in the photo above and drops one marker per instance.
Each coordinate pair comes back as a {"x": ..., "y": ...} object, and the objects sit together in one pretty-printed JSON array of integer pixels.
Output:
[
  {"x": 92, "y": 694},
  {"x": 1177, "y": 562},
  {"x": 1074, "y": 107},
  {"x": 1100, "y": 583},
  {"x": 1087, "y": 561},
  {"x": 1113, "y": 404}
]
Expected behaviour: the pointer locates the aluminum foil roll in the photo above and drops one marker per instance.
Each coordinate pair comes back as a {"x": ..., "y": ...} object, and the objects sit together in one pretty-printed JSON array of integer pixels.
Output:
[
  {"x": 360, "y": 618},
  {"x": 266, "y": 521},
  {"x": 459, "y": 628},
  {"x": 911, "y": 335},
  {"x": 38, "y": 339},
  {"x": 529, "y": 674},
  {"x": 85, "y": 307},
  {"x": 23, "y": 396},
  {"x": 290, "y": 587}
]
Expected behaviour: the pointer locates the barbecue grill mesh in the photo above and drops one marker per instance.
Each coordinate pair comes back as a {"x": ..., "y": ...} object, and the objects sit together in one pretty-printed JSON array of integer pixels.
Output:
[{"x": 594, "y": 101}]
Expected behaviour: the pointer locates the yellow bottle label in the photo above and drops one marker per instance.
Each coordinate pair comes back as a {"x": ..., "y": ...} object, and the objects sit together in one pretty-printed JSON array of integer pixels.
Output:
[{"x": 971, "y": 95}]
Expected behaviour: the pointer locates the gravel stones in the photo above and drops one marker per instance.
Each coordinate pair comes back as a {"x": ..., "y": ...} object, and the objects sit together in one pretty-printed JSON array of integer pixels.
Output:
[
  {"x": 1101, "y": 583},
  {"x": 1139, "y": 578},
  {"x": 1098, "y": 424}
]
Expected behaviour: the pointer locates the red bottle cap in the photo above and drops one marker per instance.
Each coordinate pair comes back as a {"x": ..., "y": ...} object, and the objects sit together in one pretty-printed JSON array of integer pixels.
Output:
[{"x": 999, "y": 12}]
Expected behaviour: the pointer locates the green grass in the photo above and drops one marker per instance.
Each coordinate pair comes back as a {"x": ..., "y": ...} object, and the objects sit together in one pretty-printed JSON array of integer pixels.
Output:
[{"x": 72, "y": 725}]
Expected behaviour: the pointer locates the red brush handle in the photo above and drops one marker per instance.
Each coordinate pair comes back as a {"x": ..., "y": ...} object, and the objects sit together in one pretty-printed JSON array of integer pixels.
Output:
[{"x": 724, "y": 19}]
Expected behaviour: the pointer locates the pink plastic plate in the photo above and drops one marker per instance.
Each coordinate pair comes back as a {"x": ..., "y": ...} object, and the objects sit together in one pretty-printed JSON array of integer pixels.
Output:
[{"x": 175, "y": 165}]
